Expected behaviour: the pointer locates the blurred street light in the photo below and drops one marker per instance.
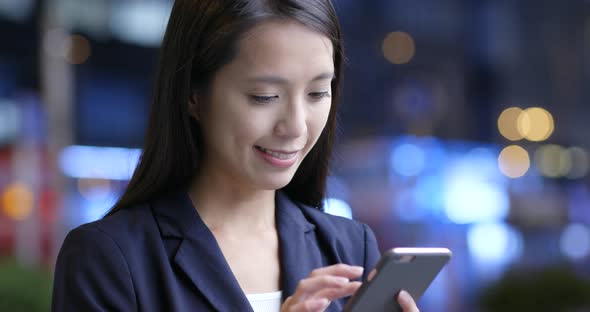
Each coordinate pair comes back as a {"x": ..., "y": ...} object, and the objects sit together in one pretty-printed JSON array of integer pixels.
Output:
[
  {"x": 514, "y": 161},
  {"x": 398, "y": 47},
  {"x": 508, "y": 125}
]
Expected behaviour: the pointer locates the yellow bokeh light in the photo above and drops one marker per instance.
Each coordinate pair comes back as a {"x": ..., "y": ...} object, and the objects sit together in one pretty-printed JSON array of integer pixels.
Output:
[
  {"x": 507, "y": 123},
  {"x": 514, "y": 161},
  {"x": 580, "y": 163},
  {"x": 398, "y": 47},
  {"x": 553, "y": 161},
  {"x": 79, "y": 50},
  {"x": 535, "y": 124},
  {"x": 17, "y": 201}
]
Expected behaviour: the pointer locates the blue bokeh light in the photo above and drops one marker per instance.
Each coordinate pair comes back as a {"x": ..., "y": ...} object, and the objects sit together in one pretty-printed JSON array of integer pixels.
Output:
[
  {"x": 337, "y": 207},
  {"x": 408, "y": 159},
  {"x": 96, "y": 208},
  {"x": 112, "y": 163},
  {"x": 575, "y": 241}
]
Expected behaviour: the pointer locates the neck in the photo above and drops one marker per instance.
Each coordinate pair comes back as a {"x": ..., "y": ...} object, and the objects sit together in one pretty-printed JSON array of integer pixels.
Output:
[{"x": 232, "y": 207}]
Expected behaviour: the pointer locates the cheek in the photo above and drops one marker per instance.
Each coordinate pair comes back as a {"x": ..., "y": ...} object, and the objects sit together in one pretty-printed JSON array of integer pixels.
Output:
[
  {"x": 231, "y": 121},
  {"x": 319, "y": 118},
  {"x": 248, "y": 126},
  {"x": 247, "y": 131}
]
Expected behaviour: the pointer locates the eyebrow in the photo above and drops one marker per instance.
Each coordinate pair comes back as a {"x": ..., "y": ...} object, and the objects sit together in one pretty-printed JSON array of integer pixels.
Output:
[{"x": 282, "y": 81}]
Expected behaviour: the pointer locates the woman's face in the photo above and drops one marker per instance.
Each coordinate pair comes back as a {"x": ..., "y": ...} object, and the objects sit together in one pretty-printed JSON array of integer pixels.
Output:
[{"x": 266, "y": 109}]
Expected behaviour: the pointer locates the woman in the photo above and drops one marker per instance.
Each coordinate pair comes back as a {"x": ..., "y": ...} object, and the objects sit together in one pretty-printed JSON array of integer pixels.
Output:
[{"x": 222, "y": 212}]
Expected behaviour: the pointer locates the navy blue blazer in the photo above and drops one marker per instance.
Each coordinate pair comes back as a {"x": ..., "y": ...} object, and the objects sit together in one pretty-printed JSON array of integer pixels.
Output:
[{"x": 160, "y": 256}]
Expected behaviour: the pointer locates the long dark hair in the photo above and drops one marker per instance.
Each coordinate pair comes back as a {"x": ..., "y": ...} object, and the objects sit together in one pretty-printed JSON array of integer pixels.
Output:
[{"x": 201, "y": 37}]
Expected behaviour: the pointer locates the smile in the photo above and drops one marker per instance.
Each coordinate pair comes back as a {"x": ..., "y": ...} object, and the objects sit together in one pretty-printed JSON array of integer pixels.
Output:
[{"x": 280, "y": 155}]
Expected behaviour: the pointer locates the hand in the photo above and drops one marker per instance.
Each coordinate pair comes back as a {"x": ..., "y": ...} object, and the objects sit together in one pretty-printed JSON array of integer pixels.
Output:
[{"x": 323, "y": 285}]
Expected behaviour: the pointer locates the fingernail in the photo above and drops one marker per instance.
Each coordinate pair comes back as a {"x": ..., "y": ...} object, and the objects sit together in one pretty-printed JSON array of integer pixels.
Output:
[{"x": 359, "y": 269}]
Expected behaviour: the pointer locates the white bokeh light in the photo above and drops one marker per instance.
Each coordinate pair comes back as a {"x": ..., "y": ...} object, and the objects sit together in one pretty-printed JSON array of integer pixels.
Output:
[
  {"x": 494, "y": 244},
  {"x": 468, "y": 201}
]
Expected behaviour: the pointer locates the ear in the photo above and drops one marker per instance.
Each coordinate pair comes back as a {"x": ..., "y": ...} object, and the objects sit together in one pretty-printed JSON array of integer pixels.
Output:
[{"x": 193, "y": 106}]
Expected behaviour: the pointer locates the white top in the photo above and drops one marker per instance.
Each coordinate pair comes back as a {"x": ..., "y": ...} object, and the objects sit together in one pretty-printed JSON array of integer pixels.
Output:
[{"x": 266, "y": 302}]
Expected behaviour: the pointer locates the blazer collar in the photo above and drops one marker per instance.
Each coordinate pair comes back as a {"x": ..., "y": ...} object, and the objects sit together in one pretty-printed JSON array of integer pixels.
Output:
[
  {"x": 201, "y": 259},
  {"x": 298, "y": 248}
]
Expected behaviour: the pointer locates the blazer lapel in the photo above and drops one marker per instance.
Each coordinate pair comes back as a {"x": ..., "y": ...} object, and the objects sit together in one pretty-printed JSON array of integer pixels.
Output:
[
  {"x": 298, "y": 247},
  {"x": 199, "y": 256}
]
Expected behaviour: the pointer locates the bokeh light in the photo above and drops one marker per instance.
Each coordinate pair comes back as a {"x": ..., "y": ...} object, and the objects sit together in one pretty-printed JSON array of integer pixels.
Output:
[
  {"x": 508, "y": 123},
  {"x": 471, "y": 191},
  {"x": 17, "y": 201},
  {"x": 93, "y": 189},
  {"x": 494, "y": 243},
  {"x": 10, "y": 120},
  {"x": 575, "y": 241},
  {"x": 580, "y": 163},
  {"x": 472, "y": 201},
  {"x": 140, "y": 22},
  {"x": 95, "y": 208},
  {"x": 398, "y": 47},
  {"x": 514, "y": 161},
  {"x": 79, "y": 49},
  {"x": 408, "y": 159},
  {"x": 535, "y": 124},
  {"x": 74, "y": 49},
  {"x": 112, "y": 163},
  {"x": 337, "y": 207},
  {"x": 553, "y": 161}
]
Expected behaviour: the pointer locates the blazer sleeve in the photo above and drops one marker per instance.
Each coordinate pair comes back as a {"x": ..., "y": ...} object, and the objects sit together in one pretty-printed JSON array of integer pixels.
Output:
[
  {"x": 372, "y": 253},
  {"x": 91, "y": 274}
]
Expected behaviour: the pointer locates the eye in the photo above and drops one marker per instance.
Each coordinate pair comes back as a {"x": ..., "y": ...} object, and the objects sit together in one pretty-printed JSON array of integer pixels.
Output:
[
  {"x": 319, "y": 95},
  {"x": 263, "y": 99}
]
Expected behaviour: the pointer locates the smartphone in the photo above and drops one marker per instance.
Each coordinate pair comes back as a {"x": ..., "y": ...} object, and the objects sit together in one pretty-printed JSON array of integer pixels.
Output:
[{"x": 410, "y": 269}]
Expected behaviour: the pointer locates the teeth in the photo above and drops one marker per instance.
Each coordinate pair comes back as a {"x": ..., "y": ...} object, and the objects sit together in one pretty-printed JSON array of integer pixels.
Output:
[{"x": 277, "y": 155}]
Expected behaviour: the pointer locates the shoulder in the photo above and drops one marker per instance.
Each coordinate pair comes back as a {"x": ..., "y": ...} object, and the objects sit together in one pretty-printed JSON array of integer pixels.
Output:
[
  {"x": 92, "y": 269},
  {"x": 117, "y": 231}
]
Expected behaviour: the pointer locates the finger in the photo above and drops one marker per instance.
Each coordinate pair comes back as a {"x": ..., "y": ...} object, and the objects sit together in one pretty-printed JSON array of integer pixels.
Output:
[
  {"x": 315, "y": 305},
  {"x": 407, "y": 302},
  {"x": 336, "y": 293},
  {"x": 341, "y": 269},
  {"x": 308, "y": 286}
]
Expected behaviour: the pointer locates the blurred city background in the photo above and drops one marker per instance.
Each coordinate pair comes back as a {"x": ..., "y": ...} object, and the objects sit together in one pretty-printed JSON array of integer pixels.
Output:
[{"x": 464, "y": 124}]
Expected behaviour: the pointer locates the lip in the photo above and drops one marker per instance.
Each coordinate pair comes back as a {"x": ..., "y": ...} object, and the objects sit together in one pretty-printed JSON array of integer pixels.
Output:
[
  {"x": 279, "y": 151},
  {"x": 277, "y": 162}
]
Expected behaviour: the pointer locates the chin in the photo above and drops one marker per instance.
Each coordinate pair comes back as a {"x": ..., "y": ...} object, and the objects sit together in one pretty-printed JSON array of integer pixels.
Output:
[{"x": 275, "y": 182}]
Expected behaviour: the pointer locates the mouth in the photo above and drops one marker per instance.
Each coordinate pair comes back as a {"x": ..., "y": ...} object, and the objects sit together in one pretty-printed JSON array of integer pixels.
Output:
[{"x": 279, "y": 154}]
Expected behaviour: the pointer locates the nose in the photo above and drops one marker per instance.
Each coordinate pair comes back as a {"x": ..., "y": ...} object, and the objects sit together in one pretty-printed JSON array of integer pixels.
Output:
[{"x": 293, "y": 119}]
